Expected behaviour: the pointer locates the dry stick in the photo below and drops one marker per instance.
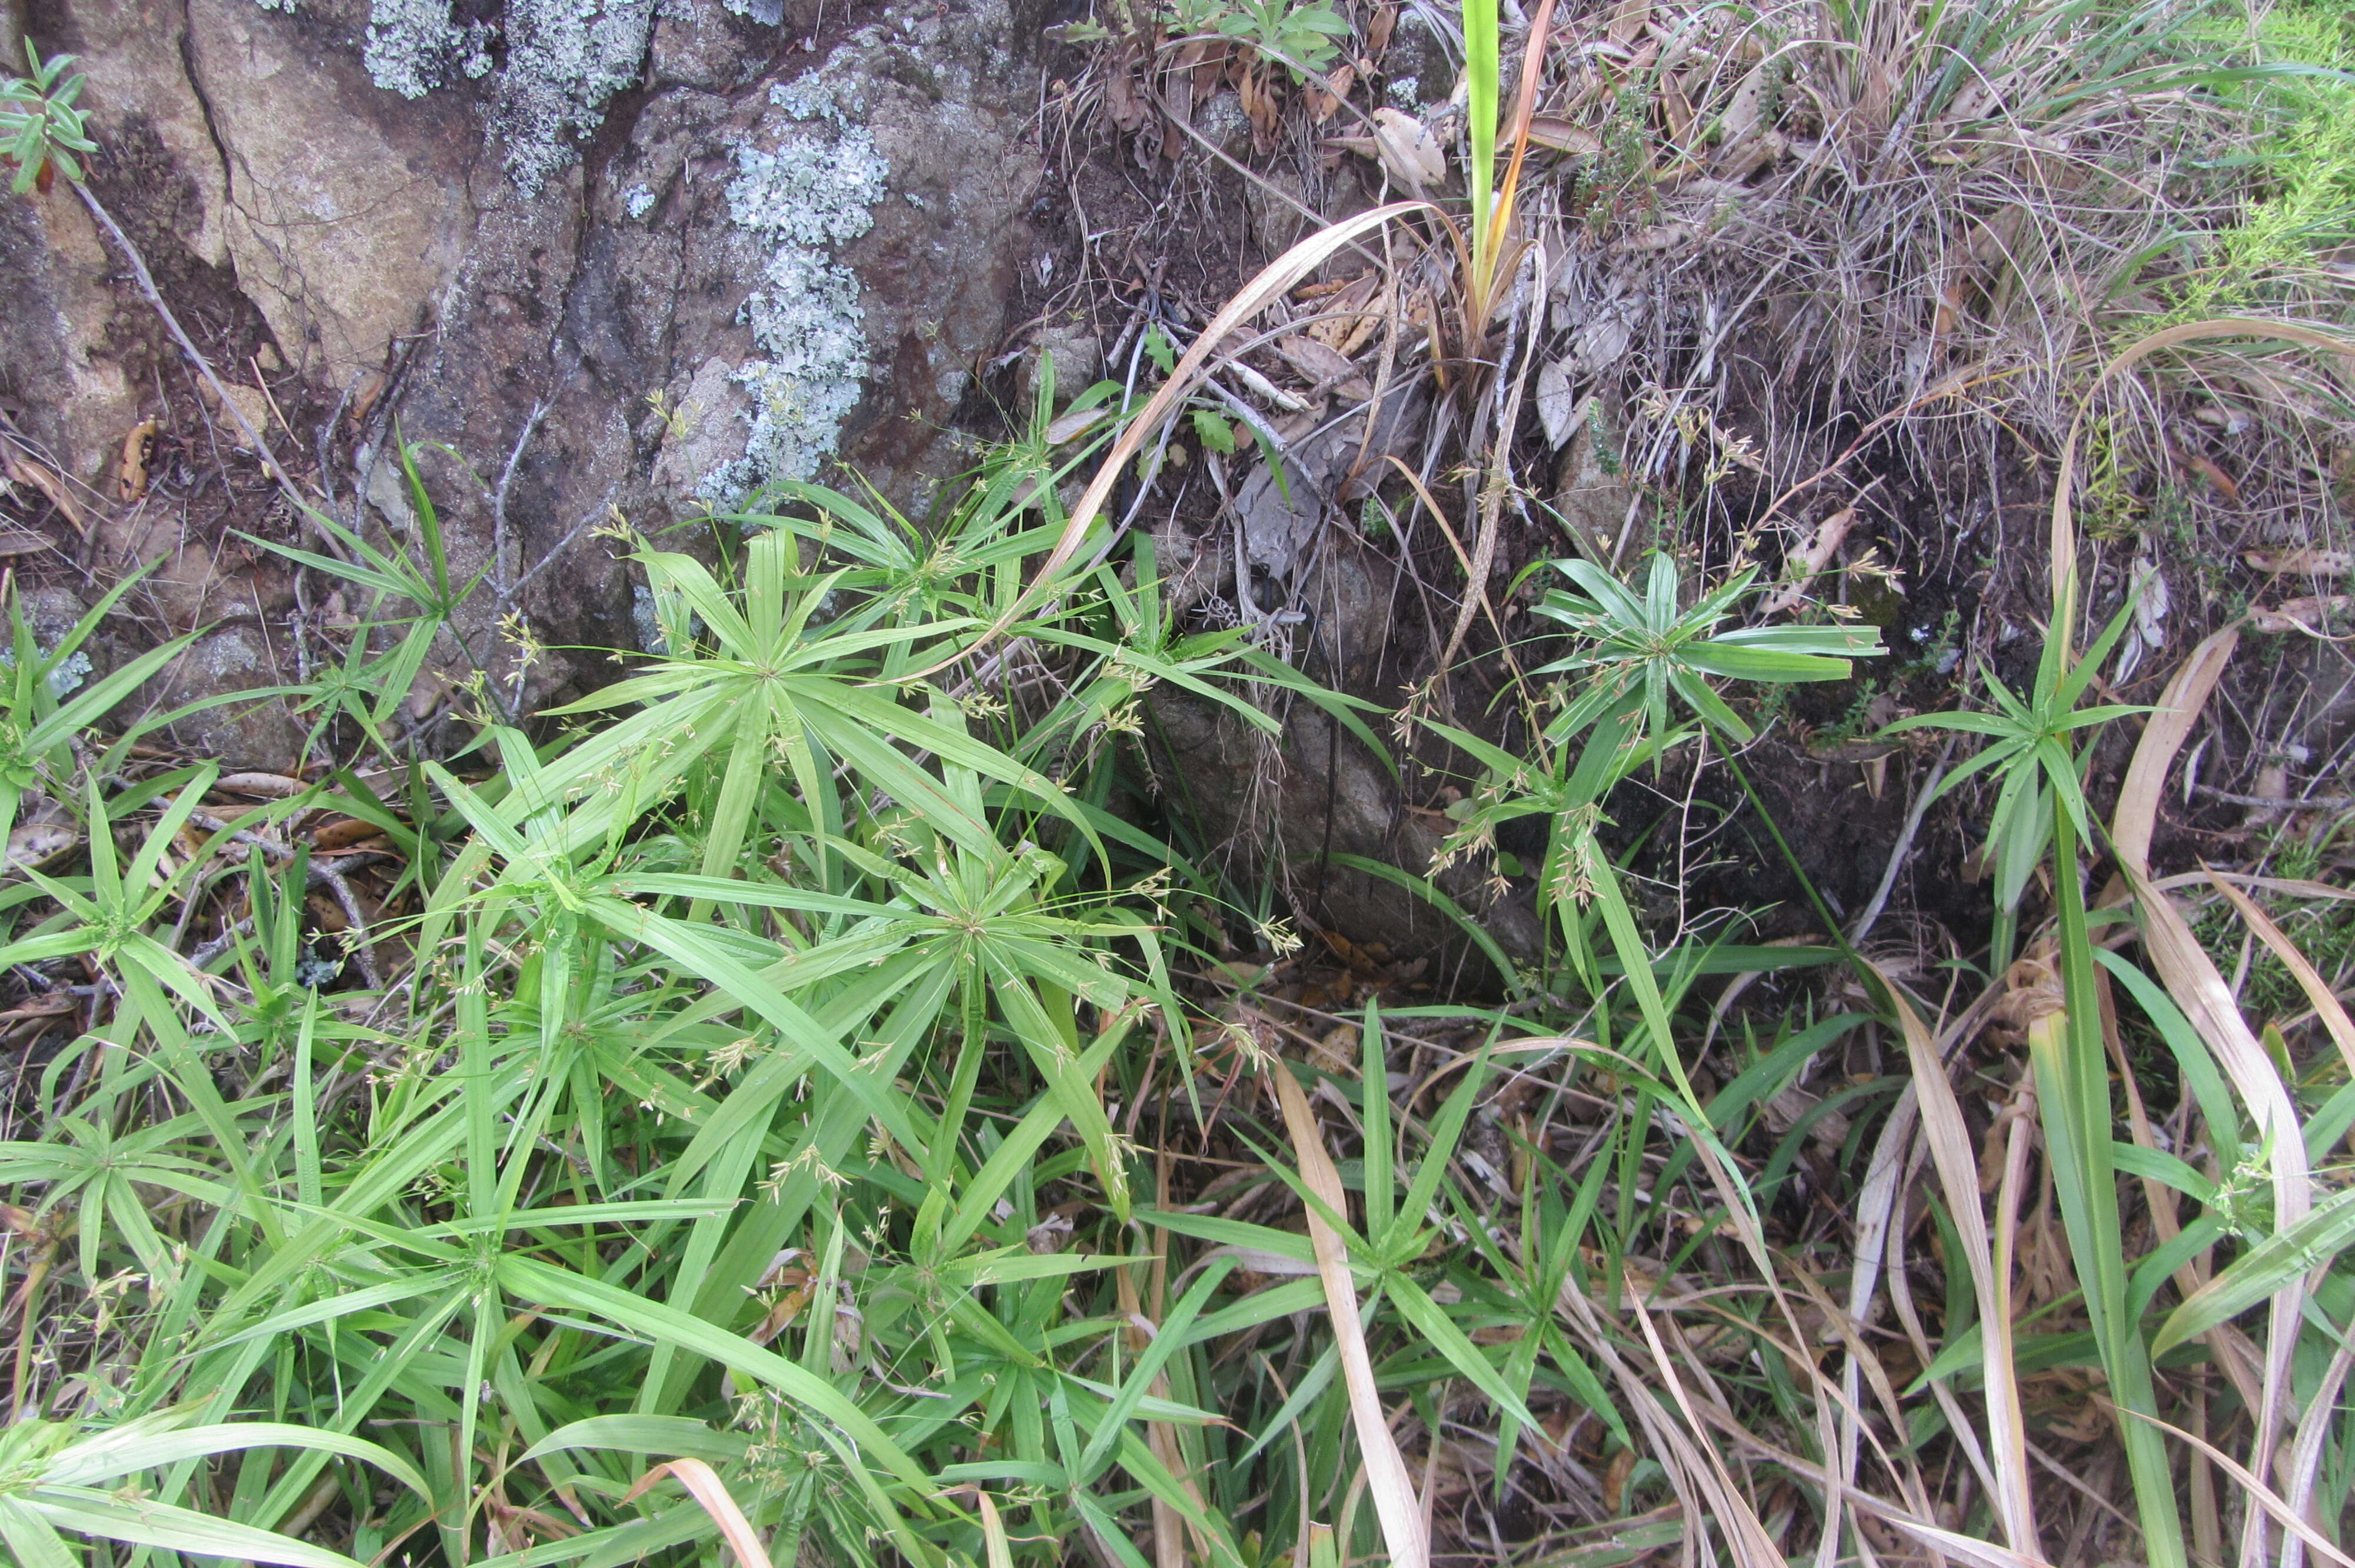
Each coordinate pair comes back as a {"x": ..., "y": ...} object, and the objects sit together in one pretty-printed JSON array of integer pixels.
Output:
[
  {"x": 1922, "y": 799},
  {"x": 498, "y": 498},
  {"x": 2279, "y": 802}
]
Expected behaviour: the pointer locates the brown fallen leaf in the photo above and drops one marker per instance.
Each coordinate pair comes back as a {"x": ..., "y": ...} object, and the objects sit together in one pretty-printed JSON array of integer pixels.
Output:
[
  {"x": 17, "y": 542},
  {"x": 1324, "y": 366},
  {"x": 1321, "y": 104},
  {"x": 54, "y": 1005},
  {"x": 1262, "y": 96},
  {"x": 2300, "y": 614},
  {"x": 1559, "y": 135},
  {"x": 344, "y": 834},
  {"x": 2207, "y": 469},
  {"x": 1347, "y": 319},
  {"x": 1071, "y": 426},
  {"x": 131, "y": 474},
  {"x": 2312, "y": 563},
  {"x": 23, "y": 470},
  {"x": 1405, "y": 146},
  {"x": 260, "y": 786},
  {"x": 1127, "y": 107},
  {"x": 36, "y": 843}
]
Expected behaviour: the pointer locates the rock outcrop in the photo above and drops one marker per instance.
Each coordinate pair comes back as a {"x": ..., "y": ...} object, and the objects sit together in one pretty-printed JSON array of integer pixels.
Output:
[{"x": 595, "y": 256}]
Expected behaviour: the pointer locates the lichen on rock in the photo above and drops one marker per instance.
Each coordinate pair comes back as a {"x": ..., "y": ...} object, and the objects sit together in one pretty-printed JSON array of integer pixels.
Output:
[
  {"x": 813, "y": 188},
  {"x": 414, "y": 45},
  {"x": 565, "y": 59}
]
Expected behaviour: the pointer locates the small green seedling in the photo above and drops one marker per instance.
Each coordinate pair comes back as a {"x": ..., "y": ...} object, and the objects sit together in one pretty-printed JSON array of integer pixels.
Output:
[{"x": 42, "y": 127}]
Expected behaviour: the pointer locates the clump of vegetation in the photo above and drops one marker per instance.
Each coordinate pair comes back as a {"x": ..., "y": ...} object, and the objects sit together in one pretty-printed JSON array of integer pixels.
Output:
[{"x": 810, "y": 1100}]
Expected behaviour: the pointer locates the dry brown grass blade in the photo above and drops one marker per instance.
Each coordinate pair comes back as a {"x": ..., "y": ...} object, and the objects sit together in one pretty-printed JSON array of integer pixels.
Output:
[
  {"x": 2293, "y": 887},
  {"x": 2178, "y": 709},
  {"x": 1274, "y": 280},
  {"x": 994, "y": 1543},
  {"x": 1940, "y": 1541},
  {"x": 704, "y": 1485},
  {"x": 1524, "y": 107},
  {"x": 2065, "y": 529},
  {"x": 1834, "y": 1437},
  {"x": 2326, "y": 1005},
  {"x": 2191, "y": 978},
  {"x": 2264, "y": 1497},
  {"x": 1395, "y": 1504},
  {"x": 1958, "y": 1172},
  {"x": 1168, "y": 1532},
  {"x": 1752, "y": 1547},
  {"x": 2315, "y": 1430}
]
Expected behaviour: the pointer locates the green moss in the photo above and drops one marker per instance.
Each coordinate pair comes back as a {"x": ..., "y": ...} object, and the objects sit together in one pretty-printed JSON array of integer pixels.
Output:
[{"x": 2302, "y": 197}]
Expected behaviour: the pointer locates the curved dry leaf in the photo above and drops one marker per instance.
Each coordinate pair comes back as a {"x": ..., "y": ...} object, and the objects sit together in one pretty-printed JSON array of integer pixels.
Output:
[
  {"x": 1747, "y": 106},
  {"x": 259, "y": 786},
  {"x": 23, "y": 470},
  {"x": 2170, "y": 725},
  {"x": 704, "y": 1485},
  {"x": 2300, "y": 614},
  {"x": 1406, "y": 147},
  {"x": 1559, "y": 135},
  {"x": 1070, "y": 426},
  {"x": 1324, "y": 365},
  {"x": 38, "y": 843},
  {"x": 1559, "y": 411},
  {"x": 333, "y": 838},
  {"x": 2311, "y": 563},
  {"x": 131, "y": 473}
]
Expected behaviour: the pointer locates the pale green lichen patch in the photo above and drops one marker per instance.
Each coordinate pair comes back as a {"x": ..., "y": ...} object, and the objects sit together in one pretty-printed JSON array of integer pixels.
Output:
[
  {"x": 414, "y": 44},
  {"x": 813, "y": 188},
  {"x": 565, "y": 59}
]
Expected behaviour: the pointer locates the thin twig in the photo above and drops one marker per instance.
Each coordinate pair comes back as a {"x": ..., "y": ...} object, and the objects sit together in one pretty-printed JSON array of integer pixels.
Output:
[
  {"x": 499, "y": 501},
  {"x": 1904, "y": 846},
  {"x": 2280, "y": 803},
  {"x": 507, "y": 598}
]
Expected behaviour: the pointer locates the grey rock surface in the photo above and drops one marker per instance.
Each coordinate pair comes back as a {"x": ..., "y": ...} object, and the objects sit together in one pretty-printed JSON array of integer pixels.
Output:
[{"x": 559, "y": 243}]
